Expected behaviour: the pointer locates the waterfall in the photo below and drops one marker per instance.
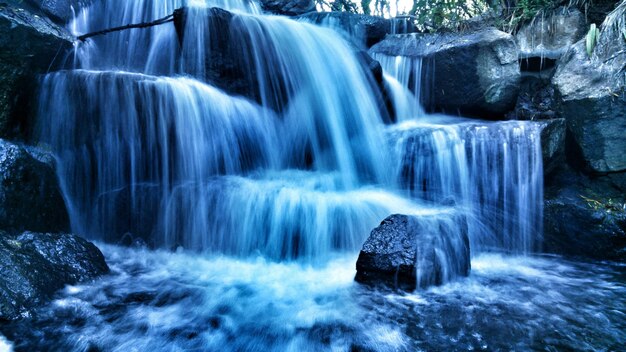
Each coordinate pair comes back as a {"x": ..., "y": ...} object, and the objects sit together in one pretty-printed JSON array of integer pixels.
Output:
[
  {"x": 493, "y": 170},
  {"x": 243, "y": 133}
]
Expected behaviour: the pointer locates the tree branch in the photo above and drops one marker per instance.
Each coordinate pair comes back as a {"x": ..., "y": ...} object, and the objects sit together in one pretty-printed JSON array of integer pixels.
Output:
[{"x": 166, "y": 19}]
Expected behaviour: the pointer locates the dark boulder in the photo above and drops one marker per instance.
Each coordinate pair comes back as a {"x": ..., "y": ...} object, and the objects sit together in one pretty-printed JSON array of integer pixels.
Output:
[
  {"x": 30, "y": 197},
  {"x": 553, "y": 144},
  {"x": 575, "y": 227},
  {"x": 475, "y": 74},
  {"x": 288, "y": 7},
  {"x": 593, "y": 100},
  {"x": 31, "y": 45},
  {"x": 36, "y": 265},
  {"x": 409, "y": 252},
  {"x": 363, "y": 30},
  {"x": 585, "y": 216}
]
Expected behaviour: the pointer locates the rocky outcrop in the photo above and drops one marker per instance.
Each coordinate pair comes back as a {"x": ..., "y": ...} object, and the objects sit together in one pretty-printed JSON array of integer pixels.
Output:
[
  {"x": 30, "y": 197},
  {"x": 550, "y": 36},
  {"x": 409, "y": 252},
  {"x": 36, "y": 265},
  {"x": 288, "y": 7},
  {"x": 476, "y": 74},
  {"x": 31, "y": 45},
  {"x": 58, "y": 10},
  {"x": 363, "y": 30},
  {"x": 553, "y": 144},
  {"x": 593, "y": 100}
]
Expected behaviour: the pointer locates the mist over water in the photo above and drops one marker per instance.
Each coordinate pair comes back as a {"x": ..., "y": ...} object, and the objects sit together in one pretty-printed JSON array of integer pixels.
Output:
[
  {"x": 268, "y": 197},
  {"x": 157, "y": 300}
]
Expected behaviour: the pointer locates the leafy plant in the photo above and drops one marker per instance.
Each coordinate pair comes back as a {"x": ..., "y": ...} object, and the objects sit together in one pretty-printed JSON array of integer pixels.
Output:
[{"x": 592, "y": 38}]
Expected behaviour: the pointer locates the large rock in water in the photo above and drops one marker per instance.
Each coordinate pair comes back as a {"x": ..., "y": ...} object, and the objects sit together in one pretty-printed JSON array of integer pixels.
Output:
[
  {"x": 409, "y": 252},
  {"x": 476, "y": 73},
  {"x": 36, "y": 265},
  {"x": 30, "y": 197},
  {"x": 30, "y": 45},
  {"x": 594, "y": 100},
  {"x": 288, "y": 7}
]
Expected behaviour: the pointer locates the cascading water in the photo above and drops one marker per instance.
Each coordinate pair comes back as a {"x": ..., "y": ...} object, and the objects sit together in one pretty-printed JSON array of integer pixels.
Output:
[
  {"x": 154, "y": 151},
  {"x": 291, "y": 168},
  {"x": 175, "y": 161},
  {"x": 494, "y": 171}
]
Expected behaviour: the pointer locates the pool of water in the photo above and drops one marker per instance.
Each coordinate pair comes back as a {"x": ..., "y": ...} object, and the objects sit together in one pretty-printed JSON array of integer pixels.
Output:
[{"x": 163, "y": 301}]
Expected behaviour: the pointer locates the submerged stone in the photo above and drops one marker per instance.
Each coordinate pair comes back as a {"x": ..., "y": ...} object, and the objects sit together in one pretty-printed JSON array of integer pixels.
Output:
[
  {"x": 409, "y": 252},
  {"x": 36, "y": 265}
]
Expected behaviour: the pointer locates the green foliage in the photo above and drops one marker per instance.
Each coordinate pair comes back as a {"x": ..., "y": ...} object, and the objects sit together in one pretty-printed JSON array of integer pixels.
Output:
[
  {"x": 608, "y": 205},
  {"x": 448, "y": 13},
  {"x": 592, "y": 38}
]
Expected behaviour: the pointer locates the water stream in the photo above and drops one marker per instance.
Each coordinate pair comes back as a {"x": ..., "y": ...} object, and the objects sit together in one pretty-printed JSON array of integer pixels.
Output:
[{"x": 266, "y": 194}]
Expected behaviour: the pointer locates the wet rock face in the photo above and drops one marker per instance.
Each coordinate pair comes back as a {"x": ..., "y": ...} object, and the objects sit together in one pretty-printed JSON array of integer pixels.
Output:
[
  {"x": 576, "y": 229},
  {"x": 409, "y": 252},
  {"x": 593, "y": 101},
  {"x": 58, "y": 10},
  {"x": 551, "y": 36},
  {"x": 31, "y": 45},
  {"x": 553, "y": 145},
  {"x": 476, "y": 74},
  {"x": 288, "y": 7},
  {"x": 30, "y": 197},
  {"x": 36, "y": 265},
  {"x": 586, "y": 216}
]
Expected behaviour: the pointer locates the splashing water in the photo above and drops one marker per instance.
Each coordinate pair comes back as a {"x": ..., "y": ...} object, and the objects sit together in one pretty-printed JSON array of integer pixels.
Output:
[{"x": 156, "y": 300}]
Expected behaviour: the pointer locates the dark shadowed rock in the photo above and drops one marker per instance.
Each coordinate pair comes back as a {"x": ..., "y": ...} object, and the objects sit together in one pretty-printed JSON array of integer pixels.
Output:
[
  {"x": 476, "y": 74},
  {"x": 409, "y": 252},
  {"x": 58, "y": 10},
  {"x": 363, "y": 30},
  {"x": 586, "y": 216},
  {"x": 553, "y": 144},
  {"x": 30, "y": 45},
  {"x": 593, "y": 100},
  {"x": 30, "y": 197},
  {"x": 288, "y": 7},
  {"x": 574, "y": 228},
  {"x": 36, "y": 265}
]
